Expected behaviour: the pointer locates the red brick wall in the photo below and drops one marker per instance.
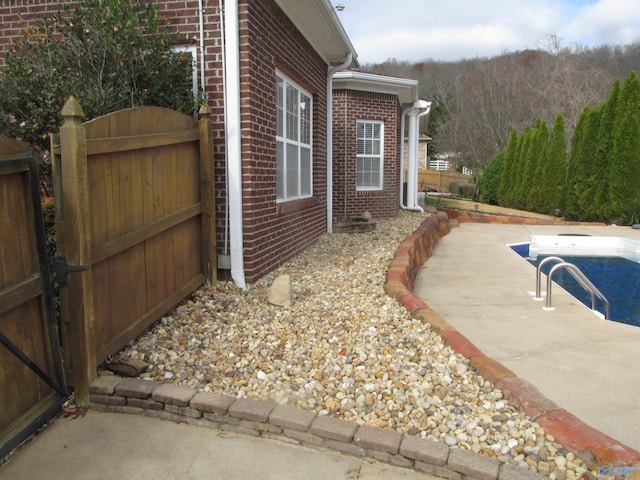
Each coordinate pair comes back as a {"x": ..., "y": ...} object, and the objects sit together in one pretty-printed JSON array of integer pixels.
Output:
[
  {"x": 268, "y": 40},
  {"x": 276, "y": 232},
  {"x": 15, "y": 15},
  {"x": 349, "y": 106}
]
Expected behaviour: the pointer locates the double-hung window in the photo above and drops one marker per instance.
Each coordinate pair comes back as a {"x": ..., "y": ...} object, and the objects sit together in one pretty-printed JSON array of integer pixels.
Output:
[
  {"x": 293, "y": 140},
  {"x": 189, "y": 52},
  {"x": 369, "y": 156}
]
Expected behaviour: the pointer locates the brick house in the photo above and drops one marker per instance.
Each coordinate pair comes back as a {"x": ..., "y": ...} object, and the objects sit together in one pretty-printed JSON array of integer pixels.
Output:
[
  {"x": 266, "y": 67},
  {"x": 370, "y": 132}
]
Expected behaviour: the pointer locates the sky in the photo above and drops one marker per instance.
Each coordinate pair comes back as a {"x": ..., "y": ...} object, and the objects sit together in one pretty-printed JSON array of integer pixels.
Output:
[{"x": 451, "y": 30}]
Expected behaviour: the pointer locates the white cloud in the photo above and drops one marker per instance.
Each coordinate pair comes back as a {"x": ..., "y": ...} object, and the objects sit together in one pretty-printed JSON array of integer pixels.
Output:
[
  {"x": 607, "y": 21},
  {"x": 456, "y": 29}
]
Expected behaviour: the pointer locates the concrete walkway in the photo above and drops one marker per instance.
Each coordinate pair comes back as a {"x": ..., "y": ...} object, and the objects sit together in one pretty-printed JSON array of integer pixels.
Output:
[
  {"x": 588, "y": 366},
  {"x": 117, "y": 446}
]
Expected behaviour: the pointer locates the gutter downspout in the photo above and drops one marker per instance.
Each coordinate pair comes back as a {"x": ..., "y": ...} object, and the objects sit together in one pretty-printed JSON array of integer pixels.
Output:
[
  {"x": 412, "y": 168},
  {"x": 419, "y": 108},
  {"x": 226, "y": 256},
  {"x": 332, "y": 71},
  {"x": 234, "y": 143},
  {"x": 404, "y": 113},
  {"x": 201, "y": 15},
  {"x": 418, "y": 117}
]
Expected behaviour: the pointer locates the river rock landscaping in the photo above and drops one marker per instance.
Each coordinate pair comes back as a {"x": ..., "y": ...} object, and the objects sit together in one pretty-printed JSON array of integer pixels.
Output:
[{"x": 344, "y": 348}]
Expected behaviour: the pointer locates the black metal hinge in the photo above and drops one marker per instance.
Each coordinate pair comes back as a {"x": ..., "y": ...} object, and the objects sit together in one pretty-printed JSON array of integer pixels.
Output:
[{"x": 61, "y": 268}]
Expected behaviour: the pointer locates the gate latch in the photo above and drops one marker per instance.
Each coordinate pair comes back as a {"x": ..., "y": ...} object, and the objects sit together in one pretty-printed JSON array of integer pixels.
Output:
[{"x": 61, "y": 268}]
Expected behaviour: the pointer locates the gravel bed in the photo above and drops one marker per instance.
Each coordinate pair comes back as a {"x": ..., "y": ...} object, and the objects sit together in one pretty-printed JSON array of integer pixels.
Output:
[{"x": 344, "y": 348}]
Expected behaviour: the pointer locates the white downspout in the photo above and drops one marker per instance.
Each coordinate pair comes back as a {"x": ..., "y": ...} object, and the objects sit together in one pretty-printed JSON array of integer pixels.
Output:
[
  {"x": 226, "y": 153},
  {"x": 404, "y": 113},
  {"x": 419, "y": 108},
  {"x": 201, "y": 14},
  {"x": 418, "y": 117},
  {"x": 332, "y": 71},
  {"x": 234, "y": 146},
  {"x": 412, "y": 170}
]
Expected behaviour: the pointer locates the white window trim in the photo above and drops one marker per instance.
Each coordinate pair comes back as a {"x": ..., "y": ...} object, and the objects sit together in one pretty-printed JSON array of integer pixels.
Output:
[
  {"x": 298, "y": 143},
  {"x": 380, "y": 158},
  {"x": 193, "y": 51}
]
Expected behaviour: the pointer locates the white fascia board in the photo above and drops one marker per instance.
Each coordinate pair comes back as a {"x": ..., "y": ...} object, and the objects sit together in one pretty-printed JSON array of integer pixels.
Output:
[{"x": 405, "y": 88}]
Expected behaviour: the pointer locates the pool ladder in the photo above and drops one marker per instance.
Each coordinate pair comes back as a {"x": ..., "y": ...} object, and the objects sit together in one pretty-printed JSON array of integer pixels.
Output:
[{"x": 577, "y": 274}]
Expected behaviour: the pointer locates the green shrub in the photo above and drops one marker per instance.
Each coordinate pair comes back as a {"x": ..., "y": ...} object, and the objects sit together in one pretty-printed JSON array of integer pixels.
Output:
[
  {"x": 489, "y": 180},
  {"x": 109, "y": 54}
]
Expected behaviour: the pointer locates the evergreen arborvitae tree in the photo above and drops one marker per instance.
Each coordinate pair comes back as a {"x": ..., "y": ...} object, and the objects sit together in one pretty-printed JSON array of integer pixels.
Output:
[
  {"x": 624, "y": 171},
  {"x": 574, "y": 172},
  {"x": 553, "y": 174},
  {"x": 539, "y": 152},
  {"x": 603, "y": 154},
  {"x": 529, "y": 167},
  {"x": 587, "y": 190},
  {"x": 519, "y": 167},
  {"x": 506, "y": 178},
  {"x": 531, "y": 155},
  {"x": 491, "y": 178}
]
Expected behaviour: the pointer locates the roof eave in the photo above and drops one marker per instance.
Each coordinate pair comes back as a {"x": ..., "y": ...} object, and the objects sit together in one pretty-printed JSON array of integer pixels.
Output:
[
  {"x": 406, "y": 89},
  {"x": 320, "y": 25}
]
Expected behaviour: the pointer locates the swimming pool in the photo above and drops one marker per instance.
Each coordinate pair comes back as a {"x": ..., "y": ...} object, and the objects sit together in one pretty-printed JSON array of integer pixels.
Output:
[{"x": 612, "y": 264}]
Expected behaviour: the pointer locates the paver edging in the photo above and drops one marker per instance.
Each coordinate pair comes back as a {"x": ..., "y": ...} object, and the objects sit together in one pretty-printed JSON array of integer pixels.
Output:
[
  {"x": 591, "y": 445},
  {"x": 296, "y": 426}
]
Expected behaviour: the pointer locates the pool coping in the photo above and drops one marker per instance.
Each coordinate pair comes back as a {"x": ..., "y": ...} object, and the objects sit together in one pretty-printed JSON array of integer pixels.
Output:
[{"x": 591, "y": 445}]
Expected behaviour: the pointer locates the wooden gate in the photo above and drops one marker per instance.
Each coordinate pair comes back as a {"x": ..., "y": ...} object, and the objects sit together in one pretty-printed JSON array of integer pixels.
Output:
[
  {"x": 31, "y": 379},
  {"x": 135, "y": 226}
]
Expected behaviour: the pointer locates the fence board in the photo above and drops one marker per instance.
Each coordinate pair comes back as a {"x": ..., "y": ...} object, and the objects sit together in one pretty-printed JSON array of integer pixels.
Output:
[
  {"x": 112, "y": 145},
  {"x": 11, "y": 146},
  {"x": 17, "y": 248},
  {"x": 20, "y": 293},
  {"x": 128, "y": 240}
]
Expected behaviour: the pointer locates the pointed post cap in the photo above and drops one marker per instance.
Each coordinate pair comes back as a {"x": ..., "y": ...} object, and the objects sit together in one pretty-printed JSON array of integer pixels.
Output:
[
  {"x": 72, "y": 110},
  {"x": 205, "y": 110}
]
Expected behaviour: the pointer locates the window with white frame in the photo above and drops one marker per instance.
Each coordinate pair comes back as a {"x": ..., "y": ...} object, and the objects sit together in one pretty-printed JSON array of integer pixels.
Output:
[
  {"x": 190, "y": 51},
  {"x": 293, "y": 140},
  {"x": 369, "y": 155}
]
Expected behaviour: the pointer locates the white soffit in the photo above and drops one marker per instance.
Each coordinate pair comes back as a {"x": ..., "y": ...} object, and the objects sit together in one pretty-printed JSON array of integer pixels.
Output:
[{"x": 320, "y": 25}]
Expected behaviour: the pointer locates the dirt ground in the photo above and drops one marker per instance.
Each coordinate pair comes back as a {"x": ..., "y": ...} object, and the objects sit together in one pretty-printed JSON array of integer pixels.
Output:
[{"x": 472, "y": 206}]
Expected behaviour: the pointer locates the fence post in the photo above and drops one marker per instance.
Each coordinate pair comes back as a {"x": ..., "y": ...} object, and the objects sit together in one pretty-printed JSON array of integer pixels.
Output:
[
  {"x": 56, "y": 174},
  {"x": 207, "y": 197},
  {"x": 76, "y": 247}
]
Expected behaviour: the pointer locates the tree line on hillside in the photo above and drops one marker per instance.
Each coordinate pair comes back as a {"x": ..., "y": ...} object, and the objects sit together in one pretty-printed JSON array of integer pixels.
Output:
[
  {"x": 477, "y": 102},
  {"x": 597, "y": 180}
]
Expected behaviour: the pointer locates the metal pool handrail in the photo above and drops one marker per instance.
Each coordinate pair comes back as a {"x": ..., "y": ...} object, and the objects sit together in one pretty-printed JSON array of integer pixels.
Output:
[
  {"x": 580, "y": 277},
  {"x": 539, "y": 272}
]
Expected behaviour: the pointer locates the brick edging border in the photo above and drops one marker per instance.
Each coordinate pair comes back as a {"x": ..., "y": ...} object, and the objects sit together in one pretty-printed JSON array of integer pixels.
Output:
[
  {"x": 289, "y": 424},
  {"x": 591, "y": 445}
]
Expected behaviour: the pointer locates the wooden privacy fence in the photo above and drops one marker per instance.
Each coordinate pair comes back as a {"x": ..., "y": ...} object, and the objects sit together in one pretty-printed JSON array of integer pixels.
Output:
[
  {"x": 31, "y": 380},
  {"x": 135, "y": 225},
  {"x": 440, "y": 180}
]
